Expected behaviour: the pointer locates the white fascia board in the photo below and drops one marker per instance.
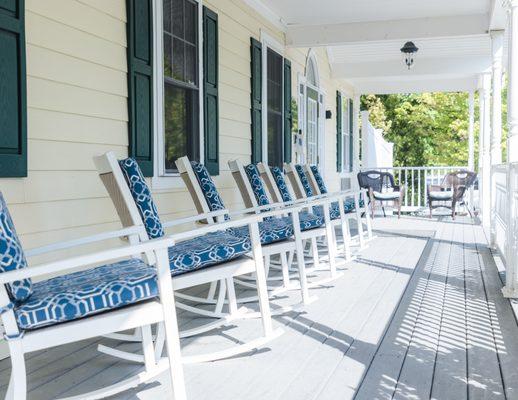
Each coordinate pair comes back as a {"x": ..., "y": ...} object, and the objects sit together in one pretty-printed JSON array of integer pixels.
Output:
[
  {"x": 267, "y": 13},
  {"x": 336, "y": 34}
]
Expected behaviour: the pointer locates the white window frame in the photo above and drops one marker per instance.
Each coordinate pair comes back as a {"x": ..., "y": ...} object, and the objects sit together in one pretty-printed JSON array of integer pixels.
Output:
[
  {"x": 346, "y": 134},
  {"x": 302, "y": 99},
  {"x": 268, "y": 41},
  {"x": 161, "y": 179}
]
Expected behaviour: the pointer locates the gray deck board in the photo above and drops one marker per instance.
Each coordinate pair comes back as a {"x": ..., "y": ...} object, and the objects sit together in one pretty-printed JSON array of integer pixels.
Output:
[{"x": 418, "y": 315}]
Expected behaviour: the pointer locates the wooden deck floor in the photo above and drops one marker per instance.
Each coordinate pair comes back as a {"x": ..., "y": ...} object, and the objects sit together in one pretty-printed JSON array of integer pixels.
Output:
[{"x": 418, "y": 315}]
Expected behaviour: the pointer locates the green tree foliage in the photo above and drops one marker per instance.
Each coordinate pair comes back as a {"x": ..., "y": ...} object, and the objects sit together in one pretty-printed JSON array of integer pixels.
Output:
[{"x": 426, "y": 129}]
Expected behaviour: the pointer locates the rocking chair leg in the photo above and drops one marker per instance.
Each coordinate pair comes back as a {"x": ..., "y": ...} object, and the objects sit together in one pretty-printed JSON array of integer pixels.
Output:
[
  {"x": 285, "y": 270},
  {"x": 17, "y": 389},
  {"x": 431, "y": 210},
  {"x": 383, "y": 208}
]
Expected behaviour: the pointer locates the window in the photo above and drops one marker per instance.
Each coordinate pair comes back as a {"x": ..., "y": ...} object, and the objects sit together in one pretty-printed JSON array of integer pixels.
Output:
[
  {"x": 181, "y": 82},
  {"x": 274, "y": 94}
]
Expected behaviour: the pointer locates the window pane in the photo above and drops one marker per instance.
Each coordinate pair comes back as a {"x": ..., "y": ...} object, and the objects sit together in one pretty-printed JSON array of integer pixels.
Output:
[
  {"x": 181, "y": 127},
  {"x": 178, "y": 18},
  {"x": 275, "y": 140},
  {"x": 167, "y": 16},
  {"x": 191, "y": 21},
  {"x": 274, "y": 105},
  {"x": 167, "y": 56},
  {"x": 190, "y": 64},
  {"x": 178, "y": 60}
]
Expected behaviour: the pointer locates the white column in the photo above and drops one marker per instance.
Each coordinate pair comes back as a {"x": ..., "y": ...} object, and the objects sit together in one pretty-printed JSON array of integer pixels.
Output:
[
  {"x": 356, "y": 135},
  {"x": 497, "y": 48},
  {"x": 511, "y": 251},
  {"x": 486, "y": 157},
  {"x": 471, "y": 138}
]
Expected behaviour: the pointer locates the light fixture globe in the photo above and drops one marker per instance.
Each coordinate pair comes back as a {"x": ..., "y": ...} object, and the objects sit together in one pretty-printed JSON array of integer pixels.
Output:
[{"x": 409, "y": 51}]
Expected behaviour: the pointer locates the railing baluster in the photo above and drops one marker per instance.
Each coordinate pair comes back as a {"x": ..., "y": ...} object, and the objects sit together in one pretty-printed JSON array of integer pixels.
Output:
[
  {"x": 419, "y": 205},
  {"x": 412, "y": 178}
]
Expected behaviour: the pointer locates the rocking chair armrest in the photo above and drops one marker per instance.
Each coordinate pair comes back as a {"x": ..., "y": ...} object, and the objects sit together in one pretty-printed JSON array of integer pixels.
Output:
[
  {"x": 132, "y": 230},
  {"x": 195, "y": 218},
  {"x": 250, "y": 210},
  {"x": 87, "y": 259}
]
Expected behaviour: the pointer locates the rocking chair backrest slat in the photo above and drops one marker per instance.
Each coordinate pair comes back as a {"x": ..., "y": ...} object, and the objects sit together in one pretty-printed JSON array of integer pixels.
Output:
[
  {"x": 275, "y": 183},
  {"x": 295, "y": 181},
  {"x": 315, "y": 179},
  {"x": 243, "y": 184},
  {"x": 116, "y": 184},
  {"x": 201, "y": 187},
  {"x": 12, "y": 256}
]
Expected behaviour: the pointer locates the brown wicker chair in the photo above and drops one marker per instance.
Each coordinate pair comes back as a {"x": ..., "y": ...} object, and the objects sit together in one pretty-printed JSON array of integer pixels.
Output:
[
  {"x": 452, "y": 189},
  {"x": 381, "y": 187}
]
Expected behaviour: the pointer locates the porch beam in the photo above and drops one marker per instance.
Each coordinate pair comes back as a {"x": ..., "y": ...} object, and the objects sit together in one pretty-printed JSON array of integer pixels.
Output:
[
  {"x": 417, "y": 28},
  {"x": 473, "y": 64}
]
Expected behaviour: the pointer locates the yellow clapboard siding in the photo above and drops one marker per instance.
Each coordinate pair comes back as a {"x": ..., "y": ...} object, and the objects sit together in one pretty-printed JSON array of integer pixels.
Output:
[
  {"x": 54, "y": 215},
  {"x": 230, "y": 127},
  {"x": 234, "y": 95},
  {"x": 58, "y": 126},
  {"x": 63, "y": 185},
  {"x": 50, "y": 34},
  {"x": 82, "y": 17},
  {"x": 233, "y": 60},
  {"x": 115, "y": 8},
  {"x": 51, "y": 65},
  {"x": 234, "y": 111},
  {"x": 55, "y": 96},
  {"x": 46, "y": 155},
  {"x": 238, "y": 79}
]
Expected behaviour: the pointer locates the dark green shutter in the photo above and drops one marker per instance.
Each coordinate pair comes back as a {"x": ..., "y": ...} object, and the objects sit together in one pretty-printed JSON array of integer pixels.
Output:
[
  {"x": 140, "y": 82},
  {"x": 210, "y": 90},
  {"x": 13, "y": 101},
  {"x": 339, "y": 151},
  {"x": 256, "y": 99},
  {"x": 288, "y": 117},
  {"x": 351, "y": 139}
]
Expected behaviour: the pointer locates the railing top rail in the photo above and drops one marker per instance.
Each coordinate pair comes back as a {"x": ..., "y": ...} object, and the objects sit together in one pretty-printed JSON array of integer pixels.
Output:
[{"x": 435, "y": 168}]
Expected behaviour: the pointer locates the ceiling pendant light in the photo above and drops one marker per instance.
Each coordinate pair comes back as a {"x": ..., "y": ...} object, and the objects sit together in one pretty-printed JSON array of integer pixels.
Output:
[{"x": 409, "y": 51}]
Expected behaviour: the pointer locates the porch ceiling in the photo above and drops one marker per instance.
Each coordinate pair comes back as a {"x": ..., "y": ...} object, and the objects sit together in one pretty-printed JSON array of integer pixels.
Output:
[{"x": 363, "y": 38}]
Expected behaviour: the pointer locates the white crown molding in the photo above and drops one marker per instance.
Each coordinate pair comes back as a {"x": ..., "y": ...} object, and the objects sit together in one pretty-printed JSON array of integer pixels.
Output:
[{"x": 267, "y": 13}]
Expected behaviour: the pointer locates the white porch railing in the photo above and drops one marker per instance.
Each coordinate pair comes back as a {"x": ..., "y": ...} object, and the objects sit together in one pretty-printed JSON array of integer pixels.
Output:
[
  {"x": 499, "y": 207},
  {"x": 416, "y": 180}
]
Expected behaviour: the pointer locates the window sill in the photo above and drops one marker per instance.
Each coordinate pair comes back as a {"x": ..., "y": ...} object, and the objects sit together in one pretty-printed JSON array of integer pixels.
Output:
[{"x": 165, "y": 183}]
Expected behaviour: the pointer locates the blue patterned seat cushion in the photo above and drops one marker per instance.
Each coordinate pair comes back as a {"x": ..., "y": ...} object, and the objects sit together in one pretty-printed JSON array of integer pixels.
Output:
[
  {"x": 83, "y": 293},
  {"x": 12, "y": 256},
  {"x": 278, "y": 176},
  {"x": 270, "y": 231},
  {"x": 257, "y": 184},
  {"x": 308, "y": 220},
  {"x": 320, "y": 181},
  {"x": 208, "y": 187},
  {"x": 304, "y": 180},
  {"x": 142, "y": 196},
  {"x": 204, "y": 251}
]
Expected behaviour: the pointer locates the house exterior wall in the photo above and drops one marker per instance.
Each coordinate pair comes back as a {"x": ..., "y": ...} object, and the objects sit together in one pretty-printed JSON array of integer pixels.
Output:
[{"x": 77, "y": 109}]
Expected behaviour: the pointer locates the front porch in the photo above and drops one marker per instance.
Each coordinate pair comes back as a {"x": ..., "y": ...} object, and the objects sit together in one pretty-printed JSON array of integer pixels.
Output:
[{"x": 419, "y": 314}]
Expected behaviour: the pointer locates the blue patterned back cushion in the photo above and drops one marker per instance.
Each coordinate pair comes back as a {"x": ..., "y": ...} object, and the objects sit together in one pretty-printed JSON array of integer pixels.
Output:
[
  {"x": 208, "y": 187},
  {"x": 257, "y": 184},
  {"x": 12, "y": 256},
  {"x": 142, "y": 196},
  {"x": 319, "y": 179},
  {"x": 281, "y": 183},
  {"x": 304, "y": 180}
]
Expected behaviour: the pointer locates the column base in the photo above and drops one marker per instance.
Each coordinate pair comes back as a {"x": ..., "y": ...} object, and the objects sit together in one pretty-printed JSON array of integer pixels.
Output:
[{"x": 509, "y": 292}]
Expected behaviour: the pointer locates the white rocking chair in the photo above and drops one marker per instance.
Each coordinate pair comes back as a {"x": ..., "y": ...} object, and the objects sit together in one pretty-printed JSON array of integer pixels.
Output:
[
  {"x": 132, "y": 293},
  {"x": 276, "y": 238},
  {"x": 211, "y": 255}
]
